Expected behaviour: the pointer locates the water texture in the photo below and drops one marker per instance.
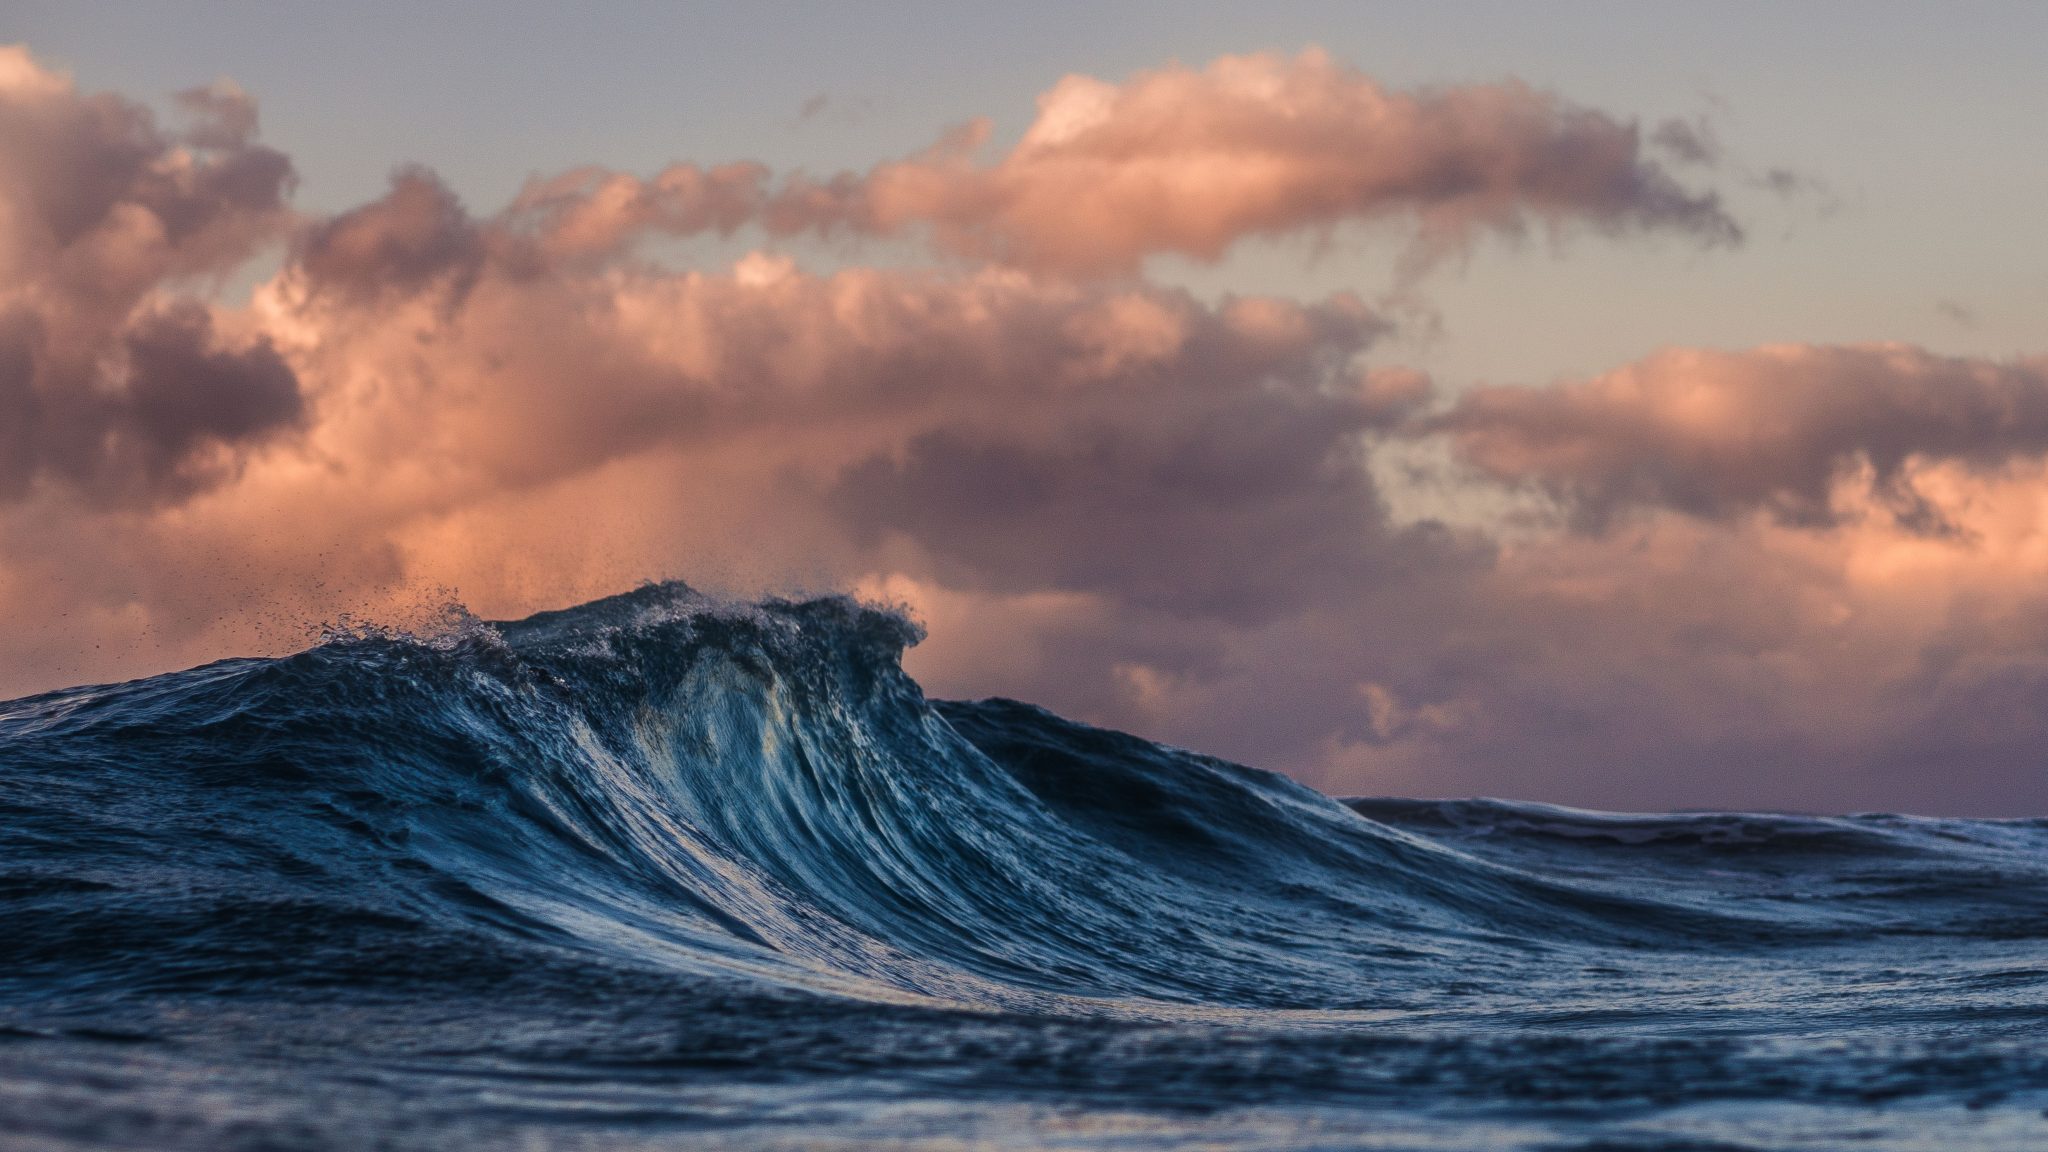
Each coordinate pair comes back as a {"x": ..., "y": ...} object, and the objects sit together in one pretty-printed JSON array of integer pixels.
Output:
[{"x": 668, "y": 872}]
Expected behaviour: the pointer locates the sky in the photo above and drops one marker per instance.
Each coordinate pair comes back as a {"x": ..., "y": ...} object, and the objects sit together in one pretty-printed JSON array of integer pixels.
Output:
[{"x": 1617, "y": 405}]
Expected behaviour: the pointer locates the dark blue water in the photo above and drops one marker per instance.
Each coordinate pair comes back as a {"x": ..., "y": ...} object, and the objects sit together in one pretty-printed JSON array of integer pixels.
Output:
[{"x": 662, "y": 872}]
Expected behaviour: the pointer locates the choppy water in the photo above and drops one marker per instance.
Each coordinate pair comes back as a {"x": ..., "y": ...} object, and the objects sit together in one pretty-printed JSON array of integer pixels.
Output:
[{"x": 662, "y": 872}]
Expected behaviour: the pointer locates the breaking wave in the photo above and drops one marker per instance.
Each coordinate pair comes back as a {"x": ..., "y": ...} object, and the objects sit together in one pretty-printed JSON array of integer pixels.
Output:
[{"x": 662, "y": 785}]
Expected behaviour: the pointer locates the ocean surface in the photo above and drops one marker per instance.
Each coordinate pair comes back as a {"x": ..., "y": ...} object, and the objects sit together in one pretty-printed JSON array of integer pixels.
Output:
[{"x": 668, "y": 872}]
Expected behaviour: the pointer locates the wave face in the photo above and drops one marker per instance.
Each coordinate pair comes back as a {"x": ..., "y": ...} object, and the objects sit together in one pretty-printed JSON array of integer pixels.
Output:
[{"x": 662, "y": 870}]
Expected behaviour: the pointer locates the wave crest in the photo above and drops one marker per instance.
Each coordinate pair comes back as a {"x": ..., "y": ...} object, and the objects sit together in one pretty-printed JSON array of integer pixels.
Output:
[{"x": 668, "y": 781}]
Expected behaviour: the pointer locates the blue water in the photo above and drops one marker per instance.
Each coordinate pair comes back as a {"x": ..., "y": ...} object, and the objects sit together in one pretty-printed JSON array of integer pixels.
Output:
[{"x": 667, "y": 872}]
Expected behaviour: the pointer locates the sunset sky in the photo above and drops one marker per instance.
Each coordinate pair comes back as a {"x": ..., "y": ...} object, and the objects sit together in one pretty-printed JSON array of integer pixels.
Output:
[{"x": 1612, "y": 405}]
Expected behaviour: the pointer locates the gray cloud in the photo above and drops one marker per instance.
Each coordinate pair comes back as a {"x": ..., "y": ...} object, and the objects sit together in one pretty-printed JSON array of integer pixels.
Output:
[{"x": 1688, "y": 141}]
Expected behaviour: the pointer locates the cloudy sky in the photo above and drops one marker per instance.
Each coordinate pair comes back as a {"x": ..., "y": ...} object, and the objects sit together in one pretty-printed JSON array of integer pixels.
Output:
[{"x": 1613, "y": 405}]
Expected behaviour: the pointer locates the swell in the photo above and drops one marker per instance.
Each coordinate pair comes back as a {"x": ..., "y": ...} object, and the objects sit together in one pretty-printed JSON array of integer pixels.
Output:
[{"x": 664, "y": 782}]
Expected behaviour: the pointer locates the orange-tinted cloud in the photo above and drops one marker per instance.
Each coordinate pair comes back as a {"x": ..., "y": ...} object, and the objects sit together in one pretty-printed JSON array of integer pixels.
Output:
[
  {"x": 1721, "y": 434},
  {"x": 1120, "y": 499},
  {"x": 1185, "y": 161},
  {"x": 592, "y": 213},
  {"x": 104, "y": 386},
  {"x": 1189, "y": 162},
  {"x": 514, "y": 366},
  {"x": 415, "y": 235}
]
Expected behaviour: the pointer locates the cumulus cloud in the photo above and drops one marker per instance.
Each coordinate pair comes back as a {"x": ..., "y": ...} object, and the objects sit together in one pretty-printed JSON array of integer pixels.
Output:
[
  {"x": 1775, "y": 429},
  {"x": 183, "y": 399},
  {"x": 1186, "y": 161},
  {"x": 106, "y": 383},
  {"x": 1210, "y": 501},
  {"x": 102, "y": 204},
  {"x": 544, "y": 366},
  {"x": 1138, "y": 505},
  {"x": 415, "y": 235},
  {"x": 222, "y": 115},
  {"x": 1189, "y": 162}
]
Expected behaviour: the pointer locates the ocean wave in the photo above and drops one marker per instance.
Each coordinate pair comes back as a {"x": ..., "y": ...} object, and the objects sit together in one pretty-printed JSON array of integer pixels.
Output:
[
  {"x": 675, "y": 865},
  {"x": 670, "y": 781}
]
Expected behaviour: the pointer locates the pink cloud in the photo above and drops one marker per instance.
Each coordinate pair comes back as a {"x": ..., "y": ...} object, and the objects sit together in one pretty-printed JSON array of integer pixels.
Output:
[
  {"x": 1777, "y": 429},
  {"x": 1120, "y": 499},
  {"x": 105, "y": 385},
  {"x": 1189, "y": 162},
  {"x": 1185, "y": 161}
]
